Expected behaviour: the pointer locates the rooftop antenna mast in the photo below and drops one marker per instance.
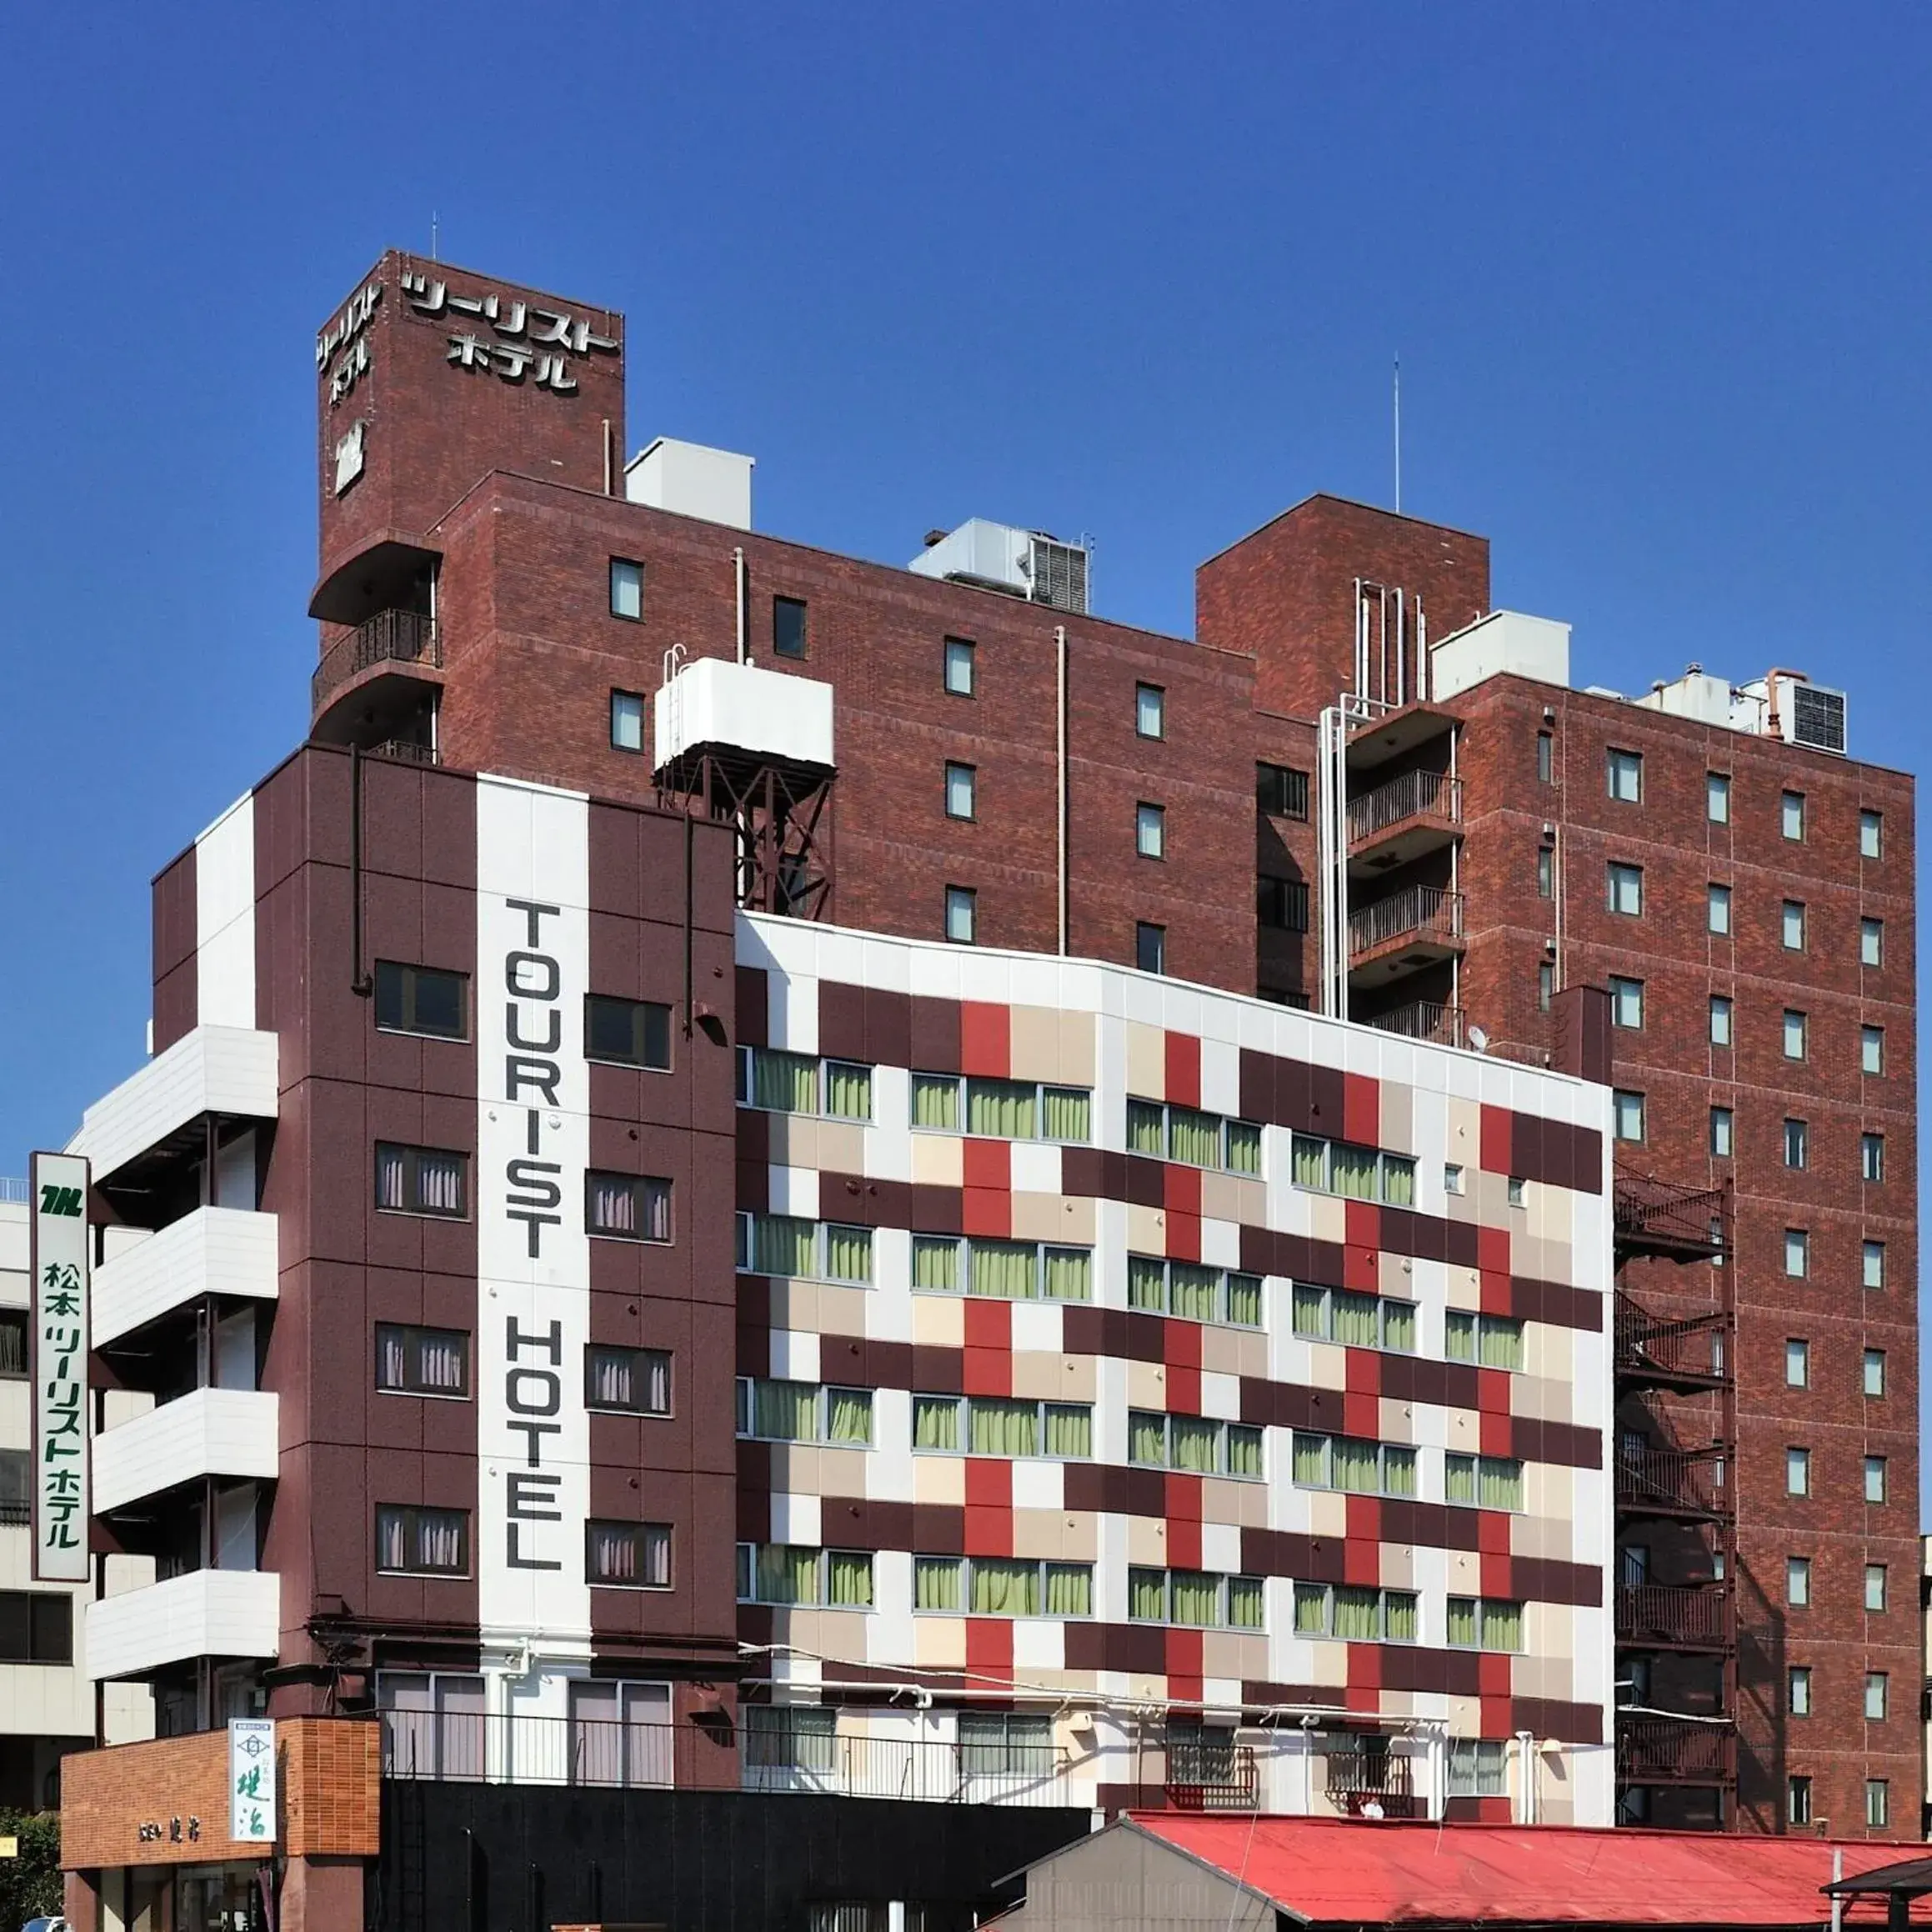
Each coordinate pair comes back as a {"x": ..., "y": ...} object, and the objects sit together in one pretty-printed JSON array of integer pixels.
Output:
[
  {"x": 433, "y": 257},
  {"x": 1399, "y": 435}
]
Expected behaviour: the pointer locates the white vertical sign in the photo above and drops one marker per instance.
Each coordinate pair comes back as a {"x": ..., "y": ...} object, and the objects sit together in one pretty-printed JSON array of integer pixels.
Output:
[
  {"x": 532, "y": 922},
  {"x": 252, "y": 1780},
  {"x": 62, "y": 1275}
]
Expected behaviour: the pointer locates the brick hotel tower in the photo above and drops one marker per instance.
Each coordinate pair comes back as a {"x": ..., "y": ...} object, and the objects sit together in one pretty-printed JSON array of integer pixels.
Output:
[{"x": 804, "y": 1186}]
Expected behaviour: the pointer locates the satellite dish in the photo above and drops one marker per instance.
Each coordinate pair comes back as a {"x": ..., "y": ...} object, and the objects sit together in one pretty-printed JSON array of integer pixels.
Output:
[{"x": 1478, "y": 1040}]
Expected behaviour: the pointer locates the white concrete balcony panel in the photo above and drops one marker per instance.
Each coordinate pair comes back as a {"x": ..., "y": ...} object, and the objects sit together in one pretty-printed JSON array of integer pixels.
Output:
[
  {"x": 215, "y": 1070},
  {"x": 770, "y": 714},
  {"x": 213, "y": 1251},
  {"x": 209, "y": 1613},
  {"x": 214, "y": 1432}
]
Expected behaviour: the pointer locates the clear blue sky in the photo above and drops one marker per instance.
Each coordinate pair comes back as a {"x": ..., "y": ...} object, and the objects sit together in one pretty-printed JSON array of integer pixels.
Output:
[{"x": 1659, "y": 277}]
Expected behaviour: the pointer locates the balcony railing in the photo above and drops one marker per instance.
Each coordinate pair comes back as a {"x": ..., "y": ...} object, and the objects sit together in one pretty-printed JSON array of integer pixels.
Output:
[
  {"x": 1667, "y": 1615},
  {"x": 1686, "y": 1352},
  {"x": 1666, "y": 1750},
  {"x": 407, "y": 750},
  {"x": 390, "y": 637},
  {"x": 1658, "y": 1216},
  {"x": 1413, "y": 795},
  {"x": 1418, "y": 912},
  {"x": 1422, "y": 1019},
  {"x": 1674, "y": 1482},
  {"x": 1357, "y": 1779},
  {"x": 1211, "y": 1776}
]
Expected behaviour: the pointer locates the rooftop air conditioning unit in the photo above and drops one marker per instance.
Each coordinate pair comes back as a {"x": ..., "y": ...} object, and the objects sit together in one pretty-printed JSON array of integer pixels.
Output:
[
  {"x": 1026, "y": 563},
  {"x": 1812, "y": 715}
]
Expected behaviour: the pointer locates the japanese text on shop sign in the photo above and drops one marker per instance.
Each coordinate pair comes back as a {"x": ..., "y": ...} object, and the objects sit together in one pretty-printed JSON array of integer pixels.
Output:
[{"x": 61, "y": 1278}]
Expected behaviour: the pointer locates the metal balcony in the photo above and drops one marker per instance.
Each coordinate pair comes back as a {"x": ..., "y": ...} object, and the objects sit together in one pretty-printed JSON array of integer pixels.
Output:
[
  {"x": 1669, "y": 1617},
  {"x": 1686, "y": 1354},
  {"x": 1413, "y": 927},
  {"x": 1666, "y": 1218},
  {"x": 1417, "y": 813},
  {"x": 1686, "y": 1485},
  {"x": 1210, "y": 1776},
  {"x": 1668, "y": 1751},
  {"x": 1421, "y": 1019},
  {"x": 390, "y": 637},
  {"x": 1356, "y": 1778}
]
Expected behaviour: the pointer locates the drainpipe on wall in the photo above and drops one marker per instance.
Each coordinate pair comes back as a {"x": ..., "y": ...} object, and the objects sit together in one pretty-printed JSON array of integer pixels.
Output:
[{"x": 1060, "y": 767}]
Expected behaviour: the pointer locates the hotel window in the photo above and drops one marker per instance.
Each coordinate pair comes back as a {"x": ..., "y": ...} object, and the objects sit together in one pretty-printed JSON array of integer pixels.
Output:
[
  {"x": 1627, "y": 1114},
  {"x": 1489, "y": 1341},
  {"x": 1482, "y": 1482},
  {"x": 1798, "y": 1582},
  {"x": 1281, "y": 791},
  {"x": 1723, "y": 1128},
  {"x": 1545, "y": 758},
  {"x": 1871, "y": 1049},
  {"x": 13, "y": 1344},
  {"x": 1718, "y": 909},
  {"x": 1798, "y": 1690},
  {"x": 1484, "y": 1624},
  {"x": 1150, "y": 830},
  {"x": 1149, "y": 711},
  {"x": 788, "y": 627},
  {"x": 1796, "y": 1144},
  {"x": 422, "y": 1180},
  {"x": 1353, "y": 1463},
  {"x": 996, "y": 1744},
  {"x": 1871, "y": 834},
  {"x": 1478, "y": 1767},
  {"x": 1281, "y": 904},
  {"x": 1878, "y": 1803},
  {"x": 1002, "y": 1586},
  {"x": 627, "y": 721},
  {"x": 1794, "y": 1033},
  {"x": 1545, "y": 872},
  {"x": 783, "y": 1245},
  {"x": 1874, "y": 1372},
  {"x": 1196, "y": 1444},
  {"x": 1721, "y": 1010},
  {"x": 1001, "y": 1110},
  {"x": 1871, "y": 942},
  {"x": 36, "y": 1627},
  {"x": 422, "y": 1361},
  {"x": 1174, "y": 1132},
  {"x": 1193, "y": 1292},
  {"x": 1625, "y": 773},
  {"x": 1875, "y": 1593},
  {"x": 989, "y": 1265},
  {"x": 804, "y": 1737},
  {"x": 998, "y": 1425},
  {"x": 421, "y": 999},
  {"x": 1717, "y": 797},
  {"x": 1797, "y": 1472},
  {"x": 1798, "y": 1800},
  {"x": 962, "y": 914},
  {"x": 1875, "y": 1472},
  {"x": 628, "y": 1556},
  {"x": 790, "y": 1572},
  {"x": 626, "y": 1381},
  {"x": 627, "y": 588},
  {"x": 1626, "y": 889},
  {"x": 1196, "y": 1599},
  {"x": 1149, "y": 946},
  {"x": 628, "y": 1033},
  {"x": 959, "y": 666},
  {"x": 961, "y": 787},
  {"x": 1792, "y": 925},
  {"x": 775, "y": 1411},
  {"x": 1874, "y": 1260},
  {"x": 1791, "y": 815},
  {"x": 627, "y": 1207},
  {"x": 1361, "y": 1173},
  {"x": 1797, "y": 1254},
  {"x": 1797, "y": 1363},
  {"x": 1452, "y": 1179},
  {"x": 1871, "y": 1157},
  {"x": 1357, "y": 1613},
  {"x": 1357, "y": 1321},
  {"x": 781, "y": 1083},
  {"x": 1878, "y": 1699},
  {"x": 1627, "y": 1003},
  {"x": 412, "y": 1541},
  {"x": 1545, "y": 987}
]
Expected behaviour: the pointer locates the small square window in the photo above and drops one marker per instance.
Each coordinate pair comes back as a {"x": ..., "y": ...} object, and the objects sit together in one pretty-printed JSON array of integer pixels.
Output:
[
  {"x": 1545, "y": 872},
  {"x": 1796, "y": 1033},
  {"x": 1874, "y": 1372},
  {"x": 959, "y": 666},
  {"x": 1877, "y": 1791},
  {"x": 1545, "y": 758},
  {"x": 1792, "y": 930},
  {"x": 1871, "y": 1156},
  {"x": 1874, "y": 1479},
  {"x": 1149, "y": 711},
  {"x": 1875, "y": 1591},
  {"x": 627, "y": 588},
  {"x": 788, "y": 627},
  {"x": 1545, "y": 986},
  {"x": 1625, "y": 776},
  {"x": 1627, "y": 1111},
  {"x": 1717, "y": 914},
  {"x": 421, "y": 999},
  {"x": 1150, "y": 831},
  {"x": 1871, "y": 1048},
  {"x": 1791, "y": 814},
  {"x": 962, "y": 914},
  {"x": 1150, "y": 946},
  {"x": 1798, "y": 1582},
  {"x": 1871, "y": 942},
  {"x": 1798, "y": 1800},
  {"x": 628, "y": 1033},
  {"x": 1797, "y": 1363},
  {"x": 627, "y": 721},
  {"x": 961, "y": 786},
  {"x": 1517, "y": 1196},
  {"x": 1720, "y": 1020},
  {"x": 1452, "y": 1179},
  {"x": 1717, "y": 797},
  {"x": 1626, "y": 889},
  {"x": 1723, "y": 1125},
  {"x": 1797, "y": 1693},
  {"x": 1797, "y": 1254},
  {"x": 1626, "y": 1002},
  {"x": 1874, "y": 1264},
  {"x": 1871, "y": 834},
  {"x": 1796, "y": 1144},
  {"x": 1797, "y": 1472}
]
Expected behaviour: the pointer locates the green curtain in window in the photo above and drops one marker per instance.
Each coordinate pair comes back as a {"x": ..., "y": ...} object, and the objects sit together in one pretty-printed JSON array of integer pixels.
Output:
[
  {"x": 1004, "y": 1588},
  {"x": 1243, "y": 1147},
  {"x": 1311, "y": 1460},
  {"x": 787, "y": 1575},
  {"x": 1462, "y": 1622},
  {"x": 1351, "y": 1171},
  {"x": 936, "y": 1263},
  {"x": 1400, "y": 1623},
  {"x": 1002, "y": 1109},
  {"x": 1459, "y": 1480},
  {"x": 1067, "y": 1113},
  {"x": 1006, "y": 1269},
  {"x": 1246, "y": 1597},
  {"x": 848, "y": 1253},
  {"x": 935, "y": 1582},
  {"x": 848, "y": 1415},
  {"x": 784, "y": 1411},
  {"x": 1069, "y": 1430},
  {"x": 1146, "y": 1438},
  {"x": 1460, "y": 1336},
  {"x": 1146, "y": 1127},
  {"x": 936, "y": 1422},
  {"x": 1398, "y": 1472},
  {"x": 850, "y": 1574},
  {"x": 936, "y": 1101},
  {"x": 997, "y": 1427},
  {"x": 785, "y": 1082},
  {"x": 1147, "y": 1595},
  {"x": 1244, "y": 1300},
  {"x": 1399, "y": 1326},
  {"x": 1502, "y": 1626},
  {"x": 1311, "y": 1609},
  {"x": 1356, "y": 1319},
  {"x": 847, "y": 1090},
  {"x": 1193, "y": 1137},
  {"x": 1146, "y": 1283},
  {"x": 1358, "y": 1614},
  {"x": 1196, "y": 1598},
  {"x": 1244, "y": 1451},
  {"x": 1069, "y": 1590},
  {"x": 1195, "y": 1441},
  {"x": 1500, "y": 1483},
  {"x": 1069, "y": 1274},
  {"x": 1399, "y": 1180},
  {"x": 783, "y": 1244},
  {"x": 1310, "y": 1159},
  {"x": 1501, "y": 1341},
  {"x": 1356, "y": 1464},
  {"x": 1190, "y": 1290},
  {"x": 1310, "y": 1309}
]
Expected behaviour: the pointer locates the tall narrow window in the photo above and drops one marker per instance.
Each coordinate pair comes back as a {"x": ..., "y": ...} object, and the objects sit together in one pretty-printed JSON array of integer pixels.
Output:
[
  {"x": 1718, "y": 909},
  {"x": 1723, "y": 1126},
  {"x": 961, "y": 785},
  {"x": 1871, "y": 834},
  {"x": 1871, "y": 1156},
  {"x": 1717, "y": 797},
  {"x": 1875, "y": 1588},
  {"x": 1545, "y": 872},
  {"x": 1625, "y": 773},
  {"x": 627, "y": 588},
  {"x": 1874, "y": 1479},
  {"x": 962, "y": 914},
  {"x": 1874, "y": 1264},
  {"x": 1871, "y": 942},
  {"x": 1871, "y": 1048},
  {"x": 1797, "y": 1363},
  {"x": 1150, "y": 946},
  {"x": 788, "y": 627},
  {"x": 1545, "y": 986},
  {"x": 1149, "y": 711},
  {"x": 1797, "y": 1472},
  {"x": 1791, "y": 815},
  {"x": 1798, "y": 1800},
  {"x": 1798, "y": 1582},
  {"x": 1150, "y": 831},
  {"x": 959, "y": 666},
  {"x": 1796, "y": 1033},
  {"x": 1878, "y": 1793},
  {"x": 1796, "y": 1144},
  {"x": 1626, "y": 889},
  {"x": 1792, "y": 925},
  {"x": 627, "y": 721},
  {"x": 1627, "y": 1003},
  {"x": 1720, "y": 1020},
  {"x": 1545, "y": 757},
  {"x": 1798, "y": 1690},
  {"x": 1797, "y": 1253},
  {"x": 1874, "y": 1372},
  {"x": 1627, "y": 1111}
]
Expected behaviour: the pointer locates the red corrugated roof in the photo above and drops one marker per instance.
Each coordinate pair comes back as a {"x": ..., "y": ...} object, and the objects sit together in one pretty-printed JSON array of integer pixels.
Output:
[{"x": 1339, "y": 1871}]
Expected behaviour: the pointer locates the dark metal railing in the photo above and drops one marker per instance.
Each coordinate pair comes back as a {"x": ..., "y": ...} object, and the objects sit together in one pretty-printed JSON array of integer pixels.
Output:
[
  {"x": 407, "y": 750},
  {"x": 390, "y": 637},
  {"x": 1649, "y": 1215},
  {"x": 1356, "y": 1778},
  {"x": 1690, "y": 1348},
  {"x": 1211, "y": 1777},
  {"x": 1413, "y": 795},
  {"x": 1422, "y": 1019},
  {"x": 1674, "y": 1482},
  {"x": 1668, "y": 1614},
  {"x": 1416, "y": 911},
  {"x": 1667, "y": 1750}
]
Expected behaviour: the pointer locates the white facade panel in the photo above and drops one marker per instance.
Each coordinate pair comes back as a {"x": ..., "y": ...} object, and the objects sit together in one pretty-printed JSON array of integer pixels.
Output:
[
  {"x": 715, "y": 701},
  {"x": 226, "y": 1251},
  {"x": 208, "y": 1613},
  {"x": 215, "y": 1070},
  {"x": 691, "y": 480},
  {"x": 224, "y": 918},
  {"x": 214, "y": 1432}
]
